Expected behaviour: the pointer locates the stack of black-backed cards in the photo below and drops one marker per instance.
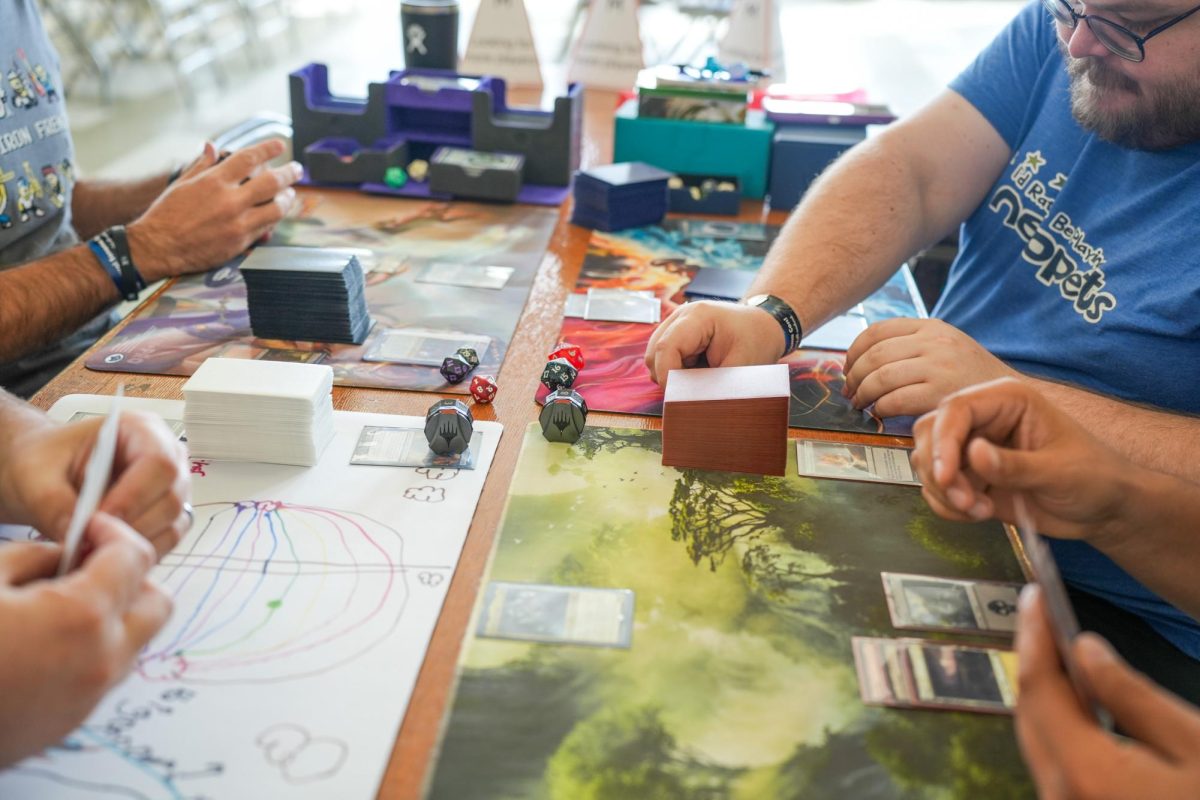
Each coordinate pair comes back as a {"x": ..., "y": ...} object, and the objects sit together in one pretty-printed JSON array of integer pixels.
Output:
[{"x": 306, "y": 293}]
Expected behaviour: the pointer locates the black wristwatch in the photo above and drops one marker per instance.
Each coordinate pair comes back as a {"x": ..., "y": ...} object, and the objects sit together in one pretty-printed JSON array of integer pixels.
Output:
[{"x": 784, "y": 315}]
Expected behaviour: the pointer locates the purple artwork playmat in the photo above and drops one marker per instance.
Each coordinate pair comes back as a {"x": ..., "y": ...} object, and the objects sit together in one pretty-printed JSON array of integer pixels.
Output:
[{"x": 205, "y": 315}]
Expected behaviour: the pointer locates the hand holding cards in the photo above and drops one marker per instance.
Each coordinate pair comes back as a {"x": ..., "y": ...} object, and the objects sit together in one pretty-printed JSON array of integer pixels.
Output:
[{"x": 1062, "y": 616}]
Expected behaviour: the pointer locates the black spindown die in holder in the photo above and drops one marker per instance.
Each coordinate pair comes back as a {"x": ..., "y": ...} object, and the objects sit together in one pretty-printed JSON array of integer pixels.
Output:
[
  {"x": 563, "y": 417},
  {"x": 448, "y": 427}
]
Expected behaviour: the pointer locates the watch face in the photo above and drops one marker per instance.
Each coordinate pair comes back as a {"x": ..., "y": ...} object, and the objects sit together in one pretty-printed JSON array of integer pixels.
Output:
[{"x": 758, "y": 299}]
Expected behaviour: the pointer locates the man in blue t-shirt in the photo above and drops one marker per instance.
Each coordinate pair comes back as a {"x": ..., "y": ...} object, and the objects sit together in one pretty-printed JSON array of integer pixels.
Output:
[
  {"x": 54, "y": 289},
  {"x": 1068, "y": 152}
]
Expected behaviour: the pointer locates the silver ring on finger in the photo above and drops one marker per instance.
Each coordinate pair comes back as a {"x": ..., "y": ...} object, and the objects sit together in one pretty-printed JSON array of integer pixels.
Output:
[{"x": 191, "y": 516}]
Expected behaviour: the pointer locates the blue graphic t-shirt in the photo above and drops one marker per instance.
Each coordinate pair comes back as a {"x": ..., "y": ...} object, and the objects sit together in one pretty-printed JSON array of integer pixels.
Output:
[
  {"x": 1081, "y": 265},
  {"x": 37, "y": 175}
]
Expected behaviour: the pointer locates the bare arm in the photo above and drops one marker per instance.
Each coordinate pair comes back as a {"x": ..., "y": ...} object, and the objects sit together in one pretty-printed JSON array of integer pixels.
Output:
[
  {"x": 212, "y": 213},
  {"x": 98, "y": 204},
  {"x": 982, "y": 446},
  {"x": 1163, "y": 441},
  {"x": 46, "y": 299},
  {"x": 875, "y": 207},
  {"x": 885, "y": 200}
]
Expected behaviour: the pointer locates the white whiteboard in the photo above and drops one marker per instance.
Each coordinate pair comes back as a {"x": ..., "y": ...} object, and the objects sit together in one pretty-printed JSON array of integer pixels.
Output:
[{"x": 304, "y": 603}]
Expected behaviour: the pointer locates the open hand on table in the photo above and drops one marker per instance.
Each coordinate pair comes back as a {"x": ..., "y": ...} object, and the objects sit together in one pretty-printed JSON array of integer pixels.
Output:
[
  {"x": 69, "y": 640},
  {"x": 905, "y": 366},
  {"x": 1069, "y": 755},
  {"x": 983, "y": 444},
  {"x": 41, "y": 474},
  {"x": 725, "y": 334}
]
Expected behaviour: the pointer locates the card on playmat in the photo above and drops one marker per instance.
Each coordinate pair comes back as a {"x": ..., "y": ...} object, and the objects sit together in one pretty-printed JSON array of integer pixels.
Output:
[
  {"x": 557, "y": 614},
  {"x": 837, "y": 334},
  {"x": 421, "y": 346},
  {"x": 379, "y": 446},
  {"x": 925, "y": 602},
  {"x": 291, "y": 356},
  {"x": 471, "y": 276},
  {"x": 963, "y": 678},
  {"x": 912, "y": 673},
  {"x": 711, "y": 283},
  {"x": 854, "y": 462},
  {"x": 576, "y": 304},
  {"x": 622, "y": 305},
  {"x": 175, "y": 425}
]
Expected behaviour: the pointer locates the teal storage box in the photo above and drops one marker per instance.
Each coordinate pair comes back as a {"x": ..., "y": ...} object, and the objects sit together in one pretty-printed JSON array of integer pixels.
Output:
[
  {"x": 698, "y": 147},
  {"x": 801, "y": 153}
]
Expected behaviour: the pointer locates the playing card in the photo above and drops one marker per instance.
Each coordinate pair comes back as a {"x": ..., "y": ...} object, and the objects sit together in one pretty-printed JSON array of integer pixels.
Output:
[
  {"x": 472, "y": 276},
  {"x": 924, "y": 602},
  {"x": 421, "y": 346},
  {"x": 854, "y": 462},
  {"x": 407, "y": 447},
  {"x": 557, "y": 614}
]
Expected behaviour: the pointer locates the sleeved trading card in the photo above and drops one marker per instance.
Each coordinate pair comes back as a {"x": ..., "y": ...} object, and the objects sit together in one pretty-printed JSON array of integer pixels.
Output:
[
  {"x": 622, "y": 305},
  {"x": 911, "y": 673},
  {"x": 472, "y": 276},
  {"x": 557, "y": 614},
  {"x": 927, "y": 603},
  {"x": 1064, "y": 624},
  {"x": 421, "y": 346},
  {"x": 963, "y": 678},
  {"x": 854, "y": 462},
  {"x": 407, "y": 447}
]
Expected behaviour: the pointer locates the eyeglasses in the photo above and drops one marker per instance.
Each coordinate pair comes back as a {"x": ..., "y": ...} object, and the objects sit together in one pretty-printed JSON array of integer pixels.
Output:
[{"x": 1118, "y": 39}]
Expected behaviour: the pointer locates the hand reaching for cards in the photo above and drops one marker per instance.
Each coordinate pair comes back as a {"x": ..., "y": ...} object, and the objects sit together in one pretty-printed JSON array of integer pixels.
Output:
[
  {"x": 982, "y": 444},
  {"x": 905, "y": 366},
  {"x": 42, "y": 471},
  {"x": 1068, "y": 754},
  {"x": 69, "y": 640},
  {"x": 213, "y": 212},
  {"x": 725, "y": 334}
]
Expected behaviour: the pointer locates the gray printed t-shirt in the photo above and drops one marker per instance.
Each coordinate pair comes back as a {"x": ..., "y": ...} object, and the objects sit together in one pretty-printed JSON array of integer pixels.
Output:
[{"x": 36, "y": 175}]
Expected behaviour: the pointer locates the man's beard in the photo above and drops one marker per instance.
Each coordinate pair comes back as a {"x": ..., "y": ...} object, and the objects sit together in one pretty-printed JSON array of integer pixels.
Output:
[{"x": 1156, "y": 120}]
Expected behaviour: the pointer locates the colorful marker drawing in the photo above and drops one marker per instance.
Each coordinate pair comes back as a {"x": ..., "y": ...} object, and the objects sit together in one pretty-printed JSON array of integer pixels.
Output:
[
  {"x": 271, "y": 591},
  {"x": 205, "y": 315},
  {"x": 663, "y": 259}
]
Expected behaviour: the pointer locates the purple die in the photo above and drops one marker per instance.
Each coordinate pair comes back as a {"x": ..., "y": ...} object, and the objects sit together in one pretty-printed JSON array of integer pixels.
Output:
[{"x": 455, "y": 368}]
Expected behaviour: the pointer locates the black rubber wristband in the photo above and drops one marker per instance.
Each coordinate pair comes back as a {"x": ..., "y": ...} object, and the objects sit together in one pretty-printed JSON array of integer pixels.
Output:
[{"x": 115, "y": 245}]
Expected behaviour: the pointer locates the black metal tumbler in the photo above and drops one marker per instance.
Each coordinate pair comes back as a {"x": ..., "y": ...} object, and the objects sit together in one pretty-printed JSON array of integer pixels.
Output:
[{"x": 429, "y": 30}]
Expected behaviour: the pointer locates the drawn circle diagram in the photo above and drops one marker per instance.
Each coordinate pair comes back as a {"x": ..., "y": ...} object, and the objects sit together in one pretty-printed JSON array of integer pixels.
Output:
[{"x": 267, "y": 591}]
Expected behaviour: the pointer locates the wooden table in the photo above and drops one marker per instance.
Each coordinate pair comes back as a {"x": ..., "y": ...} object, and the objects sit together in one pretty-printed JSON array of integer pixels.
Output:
[{"x": 535, "y": 336}]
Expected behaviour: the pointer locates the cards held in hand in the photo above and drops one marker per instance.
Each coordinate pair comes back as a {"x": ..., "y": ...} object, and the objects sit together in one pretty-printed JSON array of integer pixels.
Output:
[
  {"x": 269, "y": 411},
  {"x": 306, "y": 294}
]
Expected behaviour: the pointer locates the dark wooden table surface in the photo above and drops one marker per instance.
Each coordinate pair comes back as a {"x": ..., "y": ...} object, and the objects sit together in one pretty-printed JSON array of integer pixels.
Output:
[{"x": 536, "y": 334}]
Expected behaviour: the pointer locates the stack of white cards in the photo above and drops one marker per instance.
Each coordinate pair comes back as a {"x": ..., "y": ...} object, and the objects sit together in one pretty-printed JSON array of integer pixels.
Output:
[{"x": 270, "y": 411}]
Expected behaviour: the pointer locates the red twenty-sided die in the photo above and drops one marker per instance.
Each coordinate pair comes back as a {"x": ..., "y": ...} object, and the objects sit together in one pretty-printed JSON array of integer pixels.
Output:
[
  {"x": 483, "y": 388},
  {"x": 570, "y": 352}
]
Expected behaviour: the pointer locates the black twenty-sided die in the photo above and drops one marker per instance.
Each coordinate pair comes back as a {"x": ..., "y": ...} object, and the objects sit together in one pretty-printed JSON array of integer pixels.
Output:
[
  {"x": 469, "y": 355},
  {"x": 563, "y": 416},
  {"x": 455, "y": 368},
  {"x": 448, "y": 427},
  {"x": 559, "y": 374}
]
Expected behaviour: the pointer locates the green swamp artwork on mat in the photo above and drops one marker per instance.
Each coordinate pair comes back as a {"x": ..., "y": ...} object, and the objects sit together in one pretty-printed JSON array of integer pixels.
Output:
[{"x": 740, "y": 680}]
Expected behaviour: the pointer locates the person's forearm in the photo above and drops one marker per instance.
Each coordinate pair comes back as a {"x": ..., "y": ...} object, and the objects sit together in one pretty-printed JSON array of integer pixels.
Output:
[
  {"x": 854, "y": 228},
  {"x": 44, "y": 300},
  {"x": 98, "y": 204},
  {"x": 879, "y": 204},
  {"x": 1158, "y": 440},
  {"x": 1156, "y": 537}
]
